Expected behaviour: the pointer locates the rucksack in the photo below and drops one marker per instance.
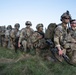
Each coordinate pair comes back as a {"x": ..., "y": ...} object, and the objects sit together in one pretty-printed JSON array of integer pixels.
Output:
[
  {"x": 2, "y": 30},
  {"x": 49, "y": 33}
]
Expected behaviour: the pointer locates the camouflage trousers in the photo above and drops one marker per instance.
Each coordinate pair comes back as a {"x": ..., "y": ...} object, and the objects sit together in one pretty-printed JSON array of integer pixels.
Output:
[
  {"x": 71, "y": 51},
  {"x": 7, "y": 42},
  {"x": 39, "y": 46},
  {"x": 26, "y": 44},
  {"x": 12, "y": 43},
  {"x": 72, "y": 55},
  {"x": 73, "y": 59}
]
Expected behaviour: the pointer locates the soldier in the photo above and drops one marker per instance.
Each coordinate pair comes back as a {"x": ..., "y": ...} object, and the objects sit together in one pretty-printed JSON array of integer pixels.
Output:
[
  {"x": 71, "y": 42},
  {"x": 14, "y": 36},
  {"x": 2, "y": 35},
  {"x": 7, "y": 36},
  {"x": 61, "y": 34},
  {"x": 38, "y": 38},
  {"x": 25, "y": 35}
]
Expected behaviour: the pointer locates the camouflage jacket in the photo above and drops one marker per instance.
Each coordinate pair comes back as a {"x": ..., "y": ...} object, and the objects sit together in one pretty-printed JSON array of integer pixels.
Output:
[
  {"x": 25, "y": 34},
  {"x": 60, "y": 36},
  {"x": 71, "y": 40},
  {"x": 14, "y": 33},
  {"x": 38, "y": 40},
  {"x": 7, "y": 35}
]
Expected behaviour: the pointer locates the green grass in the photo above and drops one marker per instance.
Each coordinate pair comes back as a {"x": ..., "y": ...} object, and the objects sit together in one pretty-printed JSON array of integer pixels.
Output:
[{"x": 12, "y": 63}]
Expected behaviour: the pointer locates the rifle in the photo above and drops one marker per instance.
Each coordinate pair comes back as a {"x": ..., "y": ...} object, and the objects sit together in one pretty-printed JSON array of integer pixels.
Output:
[{"x": 55, "y": 50}]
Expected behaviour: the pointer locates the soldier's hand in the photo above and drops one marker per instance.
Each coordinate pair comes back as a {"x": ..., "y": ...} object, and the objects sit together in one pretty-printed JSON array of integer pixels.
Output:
[
  {"x": 60, "y": 52},
  {"x": 19, "y": 45}
]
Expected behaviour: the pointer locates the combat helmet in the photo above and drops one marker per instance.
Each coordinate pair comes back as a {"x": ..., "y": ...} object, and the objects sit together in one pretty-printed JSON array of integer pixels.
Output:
[
  {"x": 9, "y": 27},
  {"x": 39, "y": 25},
  {"x": 73, "y": 23},
  {"x": 28, "y": 23},
  {"x": 72, "y": 20},
  {"x": 64, "y": 15},
  {"x": 17, "y": 25}
]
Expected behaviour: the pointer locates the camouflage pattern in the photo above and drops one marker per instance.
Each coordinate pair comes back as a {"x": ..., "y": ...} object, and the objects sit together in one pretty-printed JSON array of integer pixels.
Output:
[
  {"x": 71, "y": 45},
  {"x": 28, "y": 23},
  {"x": 49, "y": 33},
  {"x": 71, "y": 41},
  {"x": 39, "y": 25},
  {"x": 38, "y": 40},
  {"x": 60, "y": 38},
  {"x": 15, "y": 33},
  {"x": 66, "y": 14},
  {"x": 25, "y": 37},
  {"x": 2, "y": 35},
  {"x": 17, "y": 25},
  {"x": 60, "y": 35},
  {"x": 7, "y": 36}
]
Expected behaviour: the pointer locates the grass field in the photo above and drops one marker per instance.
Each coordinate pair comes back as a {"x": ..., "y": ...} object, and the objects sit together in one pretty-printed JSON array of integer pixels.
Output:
[{"x": 12, "y": 63}]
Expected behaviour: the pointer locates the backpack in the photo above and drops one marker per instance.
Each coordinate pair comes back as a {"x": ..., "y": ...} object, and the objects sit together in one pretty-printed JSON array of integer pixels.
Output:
[
  {"x": 49, "y": 33},
  {"x": 2, "y": 30}
]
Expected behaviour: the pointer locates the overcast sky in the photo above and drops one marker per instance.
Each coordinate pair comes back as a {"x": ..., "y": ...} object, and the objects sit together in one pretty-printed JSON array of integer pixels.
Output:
[{"x": 36, "y": 11}]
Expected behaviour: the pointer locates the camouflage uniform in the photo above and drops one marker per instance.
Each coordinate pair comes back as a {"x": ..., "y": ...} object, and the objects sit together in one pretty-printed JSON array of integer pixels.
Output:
[
  {"x": 60, "y": 38},
  {"x": 25, "y": 36},
  {"x": 14, "y": 34},
  {"x": 71, "y": 43},
  {"x": 37, "y": 39},
  {"x": 2, "y": 35},
  {"x": 61, "y": 34},
  {"x": 7, "y": 36}
]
